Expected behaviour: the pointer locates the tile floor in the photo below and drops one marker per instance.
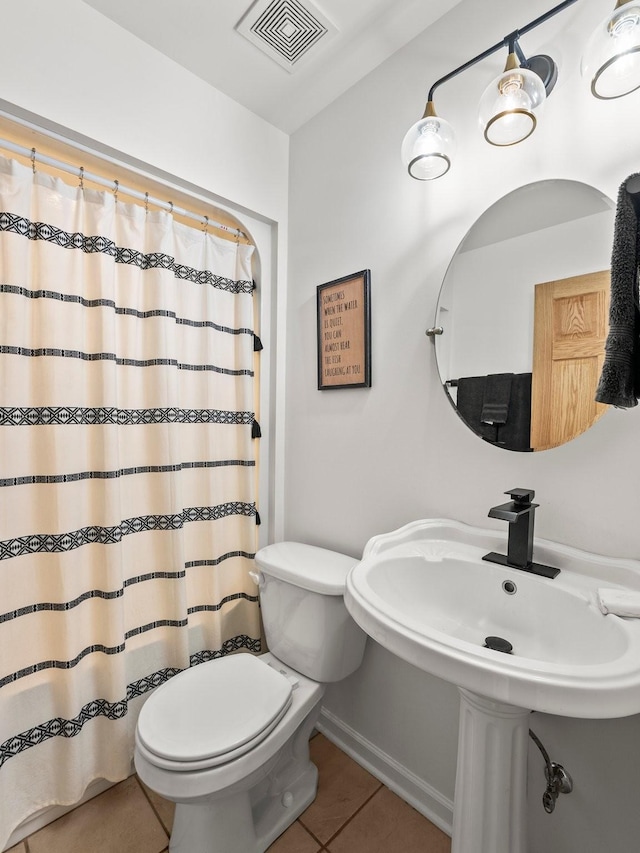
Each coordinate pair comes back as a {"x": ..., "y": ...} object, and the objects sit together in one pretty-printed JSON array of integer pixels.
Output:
[{"x": 353, "y": 813}]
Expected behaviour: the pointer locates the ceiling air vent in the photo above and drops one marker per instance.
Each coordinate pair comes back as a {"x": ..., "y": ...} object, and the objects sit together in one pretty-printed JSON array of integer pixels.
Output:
[{"x": 286, "y": 30}]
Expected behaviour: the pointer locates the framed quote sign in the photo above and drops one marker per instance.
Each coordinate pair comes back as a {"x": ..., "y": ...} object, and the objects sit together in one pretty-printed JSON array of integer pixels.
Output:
[{"x": 344, "y": 332}]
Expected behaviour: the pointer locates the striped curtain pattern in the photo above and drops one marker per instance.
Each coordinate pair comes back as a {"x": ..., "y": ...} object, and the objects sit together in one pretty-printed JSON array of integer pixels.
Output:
[{"x": 127, "y": 475}]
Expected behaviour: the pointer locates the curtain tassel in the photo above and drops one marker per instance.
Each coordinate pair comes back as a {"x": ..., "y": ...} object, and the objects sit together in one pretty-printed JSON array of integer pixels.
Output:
[
  {"x": 256, "y": 432},
  {"x": 258, "y": 519},
  {"x": 257, "y": 343}
]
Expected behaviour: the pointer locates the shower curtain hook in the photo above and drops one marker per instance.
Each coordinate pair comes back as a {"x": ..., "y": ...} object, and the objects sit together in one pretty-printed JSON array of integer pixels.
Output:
[
  {"x": 238, "y": 233},
  {"x": 146, "y": 203},
  {"x": 171, "y": 207},
  {"x": 33, "y": 160},
  {"x": 82, "y": 178},
  {"x": 206, "y": 224},
  {"x": 116, "y": 187}
]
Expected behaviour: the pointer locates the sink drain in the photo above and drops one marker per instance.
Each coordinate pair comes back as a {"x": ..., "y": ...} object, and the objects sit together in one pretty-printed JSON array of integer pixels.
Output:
[{"x": 498, "y": 644}]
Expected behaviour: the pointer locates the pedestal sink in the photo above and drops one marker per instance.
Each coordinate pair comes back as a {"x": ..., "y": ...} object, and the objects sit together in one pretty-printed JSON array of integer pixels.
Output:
[{"x": 424, "y": 593}]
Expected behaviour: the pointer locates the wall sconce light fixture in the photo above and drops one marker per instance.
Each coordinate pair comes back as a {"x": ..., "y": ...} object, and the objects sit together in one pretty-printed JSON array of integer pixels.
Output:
[{"x": 512, "y": 102}]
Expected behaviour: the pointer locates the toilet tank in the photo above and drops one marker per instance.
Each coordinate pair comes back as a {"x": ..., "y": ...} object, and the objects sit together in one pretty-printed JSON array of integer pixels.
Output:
[{"x": 306, "y": 623}]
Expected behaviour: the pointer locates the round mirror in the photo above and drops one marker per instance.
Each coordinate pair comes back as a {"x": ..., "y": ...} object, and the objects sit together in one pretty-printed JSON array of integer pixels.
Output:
[{"x": 522, "y": 316}]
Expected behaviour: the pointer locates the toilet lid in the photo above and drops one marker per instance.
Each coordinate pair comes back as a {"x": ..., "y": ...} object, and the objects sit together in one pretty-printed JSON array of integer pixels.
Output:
[{"x": 213, "y": 709}]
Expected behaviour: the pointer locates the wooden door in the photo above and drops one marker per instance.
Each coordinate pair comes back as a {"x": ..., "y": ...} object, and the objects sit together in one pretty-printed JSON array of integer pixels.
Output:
[{"x": 570, "y": 329}]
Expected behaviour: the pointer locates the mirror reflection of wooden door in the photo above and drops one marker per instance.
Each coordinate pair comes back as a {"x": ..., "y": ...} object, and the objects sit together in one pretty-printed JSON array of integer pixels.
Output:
[{"x": 570, "y": 330}]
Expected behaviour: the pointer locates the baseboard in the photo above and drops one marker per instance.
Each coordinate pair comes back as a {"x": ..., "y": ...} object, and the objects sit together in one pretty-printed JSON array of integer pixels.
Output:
[{"x": 411, "y": 788}]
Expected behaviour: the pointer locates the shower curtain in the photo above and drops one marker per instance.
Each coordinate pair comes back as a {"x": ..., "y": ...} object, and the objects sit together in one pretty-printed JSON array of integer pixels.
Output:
[{"x": 127, "y": 475}]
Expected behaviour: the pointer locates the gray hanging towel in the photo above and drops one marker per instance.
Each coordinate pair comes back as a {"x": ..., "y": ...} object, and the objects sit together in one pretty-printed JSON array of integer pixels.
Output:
[
  {"x": 497, "y": 394},
  {"x": 619, "y": 383}
]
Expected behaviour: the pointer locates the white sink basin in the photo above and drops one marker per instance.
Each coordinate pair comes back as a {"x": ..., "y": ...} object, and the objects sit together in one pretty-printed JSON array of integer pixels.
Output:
[{"x": 425, "y": 593}]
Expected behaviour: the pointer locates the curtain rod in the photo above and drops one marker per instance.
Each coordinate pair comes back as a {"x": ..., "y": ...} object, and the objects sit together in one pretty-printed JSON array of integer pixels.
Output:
[{"x": 81, "y": 173}]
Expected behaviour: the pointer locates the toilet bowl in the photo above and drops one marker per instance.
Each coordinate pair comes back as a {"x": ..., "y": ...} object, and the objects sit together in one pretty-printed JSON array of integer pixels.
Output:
[{"x": 228, "y": 740}]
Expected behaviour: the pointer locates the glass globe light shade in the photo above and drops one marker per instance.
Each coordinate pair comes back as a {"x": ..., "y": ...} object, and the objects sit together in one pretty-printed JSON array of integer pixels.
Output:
[
  {"x": 428, "y": 147},
  {"x": 611, "y": 61},
  {"x": 510, "y": 105}
]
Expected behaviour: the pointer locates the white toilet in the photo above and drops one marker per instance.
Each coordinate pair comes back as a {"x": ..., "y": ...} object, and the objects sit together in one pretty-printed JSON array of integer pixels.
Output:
[{"x": 228, "y": 740}]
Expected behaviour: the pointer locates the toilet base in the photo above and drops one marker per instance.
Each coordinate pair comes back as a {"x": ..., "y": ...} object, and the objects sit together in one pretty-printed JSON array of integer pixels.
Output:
[
  {"x": 250, "y": 821},
  {"x": 230, "y": 825}
]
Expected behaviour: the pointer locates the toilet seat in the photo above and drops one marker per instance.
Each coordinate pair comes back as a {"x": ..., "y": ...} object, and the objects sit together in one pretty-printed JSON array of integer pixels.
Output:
[{"x": 212, "y": 713}]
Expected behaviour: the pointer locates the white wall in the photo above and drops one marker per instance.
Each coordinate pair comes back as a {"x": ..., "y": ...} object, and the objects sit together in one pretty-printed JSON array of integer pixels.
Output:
[
  {"x": 66, "y": 62},
  {"x": 364, "y": 461}
]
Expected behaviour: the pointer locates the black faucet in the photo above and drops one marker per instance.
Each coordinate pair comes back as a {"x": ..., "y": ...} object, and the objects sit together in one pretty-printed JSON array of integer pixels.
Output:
[{"x": 520, "y": 513}]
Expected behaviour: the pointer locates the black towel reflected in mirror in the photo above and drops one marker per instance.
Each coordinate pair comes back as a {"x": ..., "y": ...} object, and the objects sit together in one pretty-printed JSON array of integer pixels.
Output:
[
  {"x": 497, "y": 396},
  {"x": 480, "y": 396}
]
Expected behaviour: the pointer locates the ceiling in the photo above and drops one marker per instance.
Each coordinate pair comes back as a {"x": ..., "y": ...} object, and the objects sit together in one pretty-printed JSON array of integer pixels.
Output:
[{"x": 201, "y": 36}]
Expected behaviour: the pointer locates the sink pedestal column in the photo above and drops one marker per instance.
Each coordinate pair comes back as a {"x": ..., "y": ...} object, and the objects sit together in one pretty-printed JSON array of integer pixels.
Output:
[{"x": 489, "y": 813}]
